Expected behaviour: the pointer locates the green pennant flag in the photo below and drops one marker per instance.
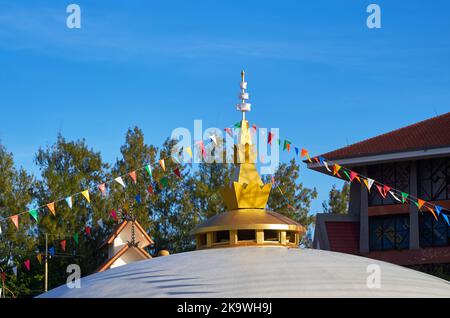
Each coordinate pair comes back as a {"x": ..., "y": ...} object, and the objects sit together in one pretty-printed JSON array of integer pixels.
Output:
[
  {"x": 148, "y": 168},
  {"x": 75, "y": 238},
  {"x": 34, "y": 214},
  {"x": 404, "y": 197},
  {"x": 164, "y": 181},
  {"x": 346, "y": 173},
  {"x": 237, "y": 125},
  {"x": 287, "y": 144}
]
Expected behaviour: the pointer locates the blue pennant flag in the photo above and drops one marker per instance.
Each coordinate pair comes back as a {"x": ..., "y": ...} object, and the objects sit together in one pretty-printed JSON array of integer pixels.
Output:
[
  {"x": 138, "y": 199},
  {"x": 296, "y": 151},
  {"x": 51, "y": 250},
  {"x": 446, "y": 218},
  {"x": 321, "y": 160},
  {"x": 438, "y": 209}
]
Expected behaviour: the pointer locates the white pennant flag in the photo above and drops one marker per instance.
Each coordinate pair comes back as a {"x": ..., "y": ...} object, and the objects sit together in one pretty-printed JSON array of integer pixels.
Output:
[
  {"x": 326, "y": 166},
  {"x": 69, "y": 202},
  {"x": 370, "y": 183},
  {"x": 395, "y": 197},
  {"x": 213, "y": 138},
  {"x": 14, "y": 269},
  {"x": 119, "y": 180},
  {"x": 100, "y": 223}
]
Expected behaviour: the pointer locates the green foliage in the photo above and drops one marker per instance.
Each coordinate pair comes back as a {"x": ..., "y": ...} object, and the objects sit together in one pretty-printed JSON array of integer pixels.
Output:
[{"x": 338, "y": 200}]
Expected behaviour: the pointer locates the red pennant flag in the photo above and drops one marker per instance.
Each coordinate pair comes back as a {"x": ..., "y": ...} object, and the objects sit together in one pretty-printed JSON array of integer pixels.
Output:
[
  {"x": 15, "y": 220},
  {"x": 102, "y": 188},
  {"x": 386, "y": 190},
  {"x": 269, "y": 138},
  {"x": 381, "y": 190},
  {"x": 88, "y": 230},
  {"x": 354, "y": 175},
  {"x": 150, "y": 189},
  {"x": 317, "y": 160},
  {"x": 177, "y": 172},
  {"x": 63, "y": 245},
  {"x": 27, "y": 264},
  {"x": 255, "y": 127},
  {"x": 133, "y": 176},
  {"x": 114, "y": 215}
]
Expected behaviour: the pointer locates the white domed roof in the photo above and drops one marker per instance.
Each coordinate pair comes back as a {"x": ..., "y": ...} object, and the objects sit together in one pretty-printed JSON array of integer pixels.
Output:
[{"x": 255, "y": 272}]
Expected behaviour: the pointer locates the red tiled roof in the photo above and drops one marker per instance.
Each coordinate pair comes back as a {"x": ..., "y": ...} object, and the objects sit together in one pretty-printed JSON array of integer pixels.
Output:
[
  {"x": 343, "y": 236},
  {"x": 427, "y": 134}
]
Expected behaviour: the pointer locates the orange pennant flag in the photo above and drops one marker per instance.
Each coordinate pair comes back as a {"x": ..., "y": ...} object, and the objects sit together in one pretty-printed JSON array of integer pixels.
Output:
[
  {"x": 39, "y": 258},
  {"x": 51, "y": 207},
  {"x": 305, "y": 153},
  {"x": 133, "y": 176},
  {"x": 15, "y": 220},
  {"x": 420, "y": 203},
  {"x": 431, "y": 210},
  {"x": 162, "y": 164},
  {"x": 63, "y": 245}
]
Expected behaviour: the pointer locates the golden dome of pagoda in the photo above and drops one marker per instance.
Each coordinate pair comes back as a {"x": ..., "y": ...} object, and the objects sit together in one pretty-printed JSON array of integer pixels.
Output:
[{"x": 247, "y": 222}]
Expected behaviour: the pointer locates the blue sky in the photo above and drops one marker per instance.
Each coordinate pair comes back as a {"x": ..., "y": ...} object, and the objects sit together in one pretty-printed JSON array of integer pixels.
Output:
[{"x": 314, "y": 70}]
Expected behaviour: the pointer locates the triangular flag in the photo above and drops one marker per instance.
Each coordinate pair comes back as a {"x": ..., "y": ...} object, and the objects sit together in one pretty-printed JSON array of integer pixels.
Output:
[
  {"x": 346, "y": 174},
  {"x": 102, "y": 188},
  {"x": 305, "y": 153},
  {"x": 119, "y": 180},
  {"x": 354, "y": 175},
  {"x": 269, "y": 138},
  {"x": 85, "y": 194},
  {"x": 446, "y": 218},
  {"x": 287, "y": 145},
  {"x": 326, "y": 166},
  {"x": 133, "y": 176},
  {"x": 380, "y": 189},
  {"x": 150, "y": 189},
  {"x": 88, "y": 230},
  {"x": 51, "y": 250},
  {"x": 336, "y": 169},
  {"x": 177, "y": 172},
  {"x": 148, "y": 168},
  {"x": 368, "y": 182},
  {"x": 51, "y": 207},
  {"x": 229, "y": 132},
  {"x": 438, "y": 209},
  {"x": 164, "y": 181},
  {"x": 39, "y": 258},
  {"x": 27, "y": 264},
  {"x": 296, "y": 151},
  {"x": 213, "y": 139},
  {"x": 15, "y": 220},
  {"x": 138, "y": 199},
  {"x": 69, "y": 202},
  {"x": 75, "y": 238},
  {"x": 114, "y": 215},
  {"x": 419, "y": 203},
  {"x": 163, "y": 165},
  {"x": 404, "y": 197},
  {"x": 63, "y": 245},
  {"x": 189, "y": 151},
  {"x": 237, "y": 125},
  {"x": 395, "y": 197},
  {"x": 386, "y": 189},
  {"x": 432, "y": 212},
  {"x": 34, "y": 214},
  {"x": 100, "y": 223},
  {"x": 14, "y": 269}
]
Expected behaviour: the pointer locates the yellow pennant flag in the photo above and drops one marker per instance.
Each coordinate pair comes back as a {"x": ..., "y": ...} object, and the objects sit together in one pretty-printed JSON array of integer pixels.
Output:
[
  {"x": 189, "y": 151},
  {"x": 163, "y": 165},
  {"x": 336, "y": 169},
  {"x": 51, "y": 207},
  {"x": 369, "y": 183},
  {"x": 39, "y": 258},
  {"x": 86, "y": 195}
]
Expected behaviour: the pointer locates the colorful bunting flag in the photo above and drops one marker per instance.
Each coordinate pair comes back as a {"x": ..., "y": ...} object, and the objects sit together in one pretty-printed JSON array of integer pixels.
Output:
[
  {"x": 34, "y": 214},
  {"x": 326, "y": 166},
  {"x": 386, "y": 189},
  {"x": 189, "y": 151},
  {"x": 100, "y": 223},
  {"x": 119, "y": 180},
  {"x": 14, "y": 269},
  {"x": 297, "y": 151},
  {"x": 76, "y": 239},
  {"x": 419, "y": 203},
  {"x": 85, "y": 194},
  {"x": 102, "y": 188},
  {"x": 163, "y": 165},
  {"x": 229, "y": 132},
  {"x": 432, "y": 212},
  {"x": 138, "y": 199},
  {"x": 39, "y": 258},
  {"x": 369, "y": 183},
  {"x": 446, "y": 218},
  {"x": 237, "y": 125},
  {"x": 27, "y": 264},
  {"x": 395, "y": 197},
  {"x": 69, "y": 202},
  {"x": 63, "y": 245},
  {"x": 177, "y": 172},
  {"x": 51, "y": 250},
  {"x": 133, "y": 176},
  {"x": 150, "y": 190},
  {"x": 148, "y": 168},
  {"x": 346, "y": 174},
  {"x": 287, "y": 145},
  {"x": 404, "y": 197},
  {"x": 438, "y": 209},
  {"x": 213, "y": 139},
  {"x": 51, "y": 207},
  {"x": 305, "y": 153},
  {"x": 15, "y": 220},
  {"x": 88, "y": 230},
  {"x": 353, "y": 176},
  {"x": 336, "y": 169},
  {"x": 380, "y": 189}
]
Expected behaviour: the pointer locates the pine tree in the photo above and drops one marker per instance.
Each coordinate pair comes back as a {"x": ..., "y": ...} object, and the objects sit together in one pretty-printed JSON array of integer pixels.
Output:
[{"x": 338, "y": 200}]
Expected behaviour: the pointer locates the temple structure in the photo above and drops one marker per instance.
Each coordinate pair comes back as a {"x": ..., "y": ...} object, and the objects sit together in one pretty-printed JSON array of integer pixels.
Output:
[{"x": 247, "y": 221}]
